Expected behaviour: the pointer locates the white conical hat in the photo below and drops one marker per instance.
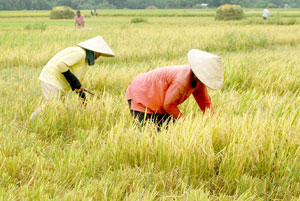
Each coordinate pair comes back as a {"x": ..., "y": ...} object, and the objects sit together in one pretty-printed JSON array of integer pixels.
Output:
[
  {"x": 207, "y": 67},
  {"x": 97, "y": 44}
]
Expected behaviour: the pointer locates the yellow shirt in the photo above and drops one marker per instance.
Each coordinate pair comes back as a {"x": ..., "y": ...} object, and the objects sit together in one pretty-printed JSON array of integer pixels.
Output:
[{"x": 73, "y": 59}]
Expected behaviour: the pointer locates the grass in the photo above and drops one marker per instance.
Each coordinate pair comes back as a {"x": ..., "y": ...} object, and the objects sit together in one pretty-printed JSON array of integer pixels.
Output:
[
  {"x": 249, "y": 150},
  {"x": 36, "y": 26}
]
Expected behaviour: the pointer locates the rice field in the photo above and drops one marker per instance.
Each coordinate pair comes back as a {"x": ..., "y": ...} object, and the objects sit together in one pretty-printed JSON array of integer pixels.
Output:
[{"x": 248, "y": 150}]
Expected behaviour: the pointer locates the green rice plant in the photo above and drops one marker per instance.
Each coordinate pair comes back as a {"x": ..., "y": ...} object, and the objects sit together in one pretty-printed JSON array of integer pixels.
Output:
[
  {"x": 36, "y": 26},
  {"x": 138, "y": 20}
]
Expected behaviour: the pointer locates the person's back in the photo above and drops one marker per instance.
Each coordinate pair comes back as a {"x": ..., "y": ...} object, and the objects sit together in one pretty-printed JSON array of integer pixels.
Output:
[
  {"x": 150, "y": 88},
  {"x": 74, "y": 57}
]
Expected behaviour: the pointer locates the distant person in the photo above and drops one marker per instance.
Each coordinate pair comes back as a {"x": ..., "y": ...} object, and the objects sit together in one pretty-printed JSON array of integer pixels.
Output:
[
  {"x": 79, "y": 20},
  {"x": 67, "y": 69},
  {"x": 155, "y": 95},
  {"x": 266, "y": 13},
  {"x": 94, "y": 13}
]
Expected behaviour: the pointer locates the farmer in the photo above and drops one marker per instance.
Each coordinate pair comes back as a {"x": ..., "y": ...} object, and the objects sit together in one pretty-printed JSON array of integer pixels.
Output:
[
  {"x": 266, "y": 13},
  {"x": 79, "y": 20},
  {"x": 66, "y": 70},
  {"x": 156, "y": 94}
]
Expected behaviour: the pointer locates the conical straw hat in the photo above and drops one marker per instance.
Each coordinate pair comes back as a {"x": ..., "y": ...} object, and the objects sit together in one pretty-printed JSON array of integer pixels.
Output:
[
  {"x": 97, "y": 44},
  {"x": 207, "y": 67}
]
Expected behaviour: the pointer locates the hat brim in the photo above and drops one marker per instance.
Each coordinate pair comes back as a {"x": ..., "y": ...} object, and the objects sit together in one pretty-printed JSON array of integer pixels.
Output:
[{"x": 98, "y": 45}]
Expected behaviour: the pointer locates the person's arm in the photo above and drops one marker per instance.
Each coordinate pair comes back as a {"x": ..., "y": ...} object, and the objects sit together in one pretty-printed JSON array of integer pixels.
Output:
[
  {"x": 203, "y": 99},
  {"x": 72, "y": 79},
  {"x": 74, "y": 83},
  {"x": 83, "y": 20},
  {"x": 172, "y": 98}
]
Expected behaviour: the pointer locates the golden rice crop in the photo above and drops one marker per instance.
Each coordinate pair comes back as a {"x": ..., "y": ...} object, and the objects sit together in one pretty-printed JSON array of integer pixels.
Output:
[{"x": 249, "y": 150}]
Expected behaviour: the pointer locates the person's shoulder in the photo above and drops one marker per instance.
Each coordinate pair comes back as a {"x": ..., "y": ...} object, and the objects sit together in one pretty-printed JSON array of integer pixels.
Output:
[
  {"x": 76, "y": 49},
  {"x": 178, "y": 73},
  {"x": 176, "y": 68}
]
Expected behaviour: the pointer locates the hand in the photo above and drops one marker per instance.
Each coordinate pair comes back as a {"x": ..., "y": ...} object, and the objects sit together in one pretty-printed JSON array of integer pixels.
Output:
[{"x": 80, "y": 89}]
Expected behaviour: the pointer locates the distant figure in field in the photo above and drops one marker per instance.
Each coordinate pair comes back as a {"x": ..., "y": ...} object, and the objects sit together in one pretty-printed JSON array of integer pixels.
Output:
[
  {"x": 155, "y": 95},
  {"x": 67, "y": 69},
  {"x": 94, "y": 13},
  {"x": 266, "y": 13},
  {"x": 79, "y": 20}
]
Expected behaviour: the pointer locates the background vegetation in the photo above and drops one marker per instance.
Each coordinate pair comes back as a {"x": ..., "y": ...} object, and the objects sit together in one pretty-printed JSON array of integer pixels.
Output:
[
  {"x": 138, "y": 4},
  {"x": 62, "y": 12},
  {"x": 249, "y": 150}
]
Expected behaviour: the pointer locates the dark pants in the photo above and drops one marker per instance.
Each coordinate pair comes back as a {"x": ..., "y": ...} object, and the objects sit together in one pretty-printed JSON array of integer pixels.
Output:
[{"x": 158, "y": 119}]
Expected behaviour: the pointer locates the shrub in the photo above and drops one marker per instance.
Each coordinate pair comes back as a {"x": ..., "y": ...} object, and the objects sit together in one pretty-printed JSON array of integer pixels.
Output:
[
  {"x": 36, "y": 26},
  {"x": 138, "y": 20},
  {"x": 230, "y": 12},
  {"x": 106, "y": 5},
  {"x": 62, "y": 12}
]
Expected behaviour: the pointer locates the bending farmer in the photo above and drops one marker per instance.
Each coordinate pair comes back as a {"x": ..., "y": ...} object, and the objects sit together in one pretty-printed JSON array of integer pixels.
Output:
[
  {"x": 66, "y": 70},
  {"x": 156, "y": 94}
]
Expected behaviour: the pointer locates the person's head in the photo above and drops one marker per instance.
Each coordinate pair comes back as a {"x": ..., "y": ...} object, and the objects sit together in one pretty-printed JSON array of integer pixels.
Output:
[
  {"x": 78, "y": 13},
  {"x": 207, "y": 68}
]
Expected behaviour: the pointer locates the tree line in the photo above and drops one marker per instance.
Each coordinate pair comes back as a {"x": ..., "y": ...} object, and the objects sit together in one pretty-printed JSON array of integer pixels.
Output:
[{"x": 139, "y": 4}]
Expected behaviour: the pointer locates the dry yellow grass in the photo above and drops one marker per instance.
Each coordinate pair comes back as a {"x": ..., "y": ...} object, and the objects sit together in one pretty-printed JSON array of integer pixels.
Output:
[{"x": 249, "y": 150}]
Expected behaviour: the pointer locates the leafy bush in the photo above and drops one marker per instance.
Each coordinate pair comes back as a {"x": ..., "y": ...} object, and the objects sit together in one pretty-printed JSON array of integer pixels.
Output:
[
  {"x": 62, "y": 12},
  {"x": 86, "y": 6},
  {"x": 106, "y": 5},
  {"x": 230, "y": 12},
  {"x": 36, "y": 26},
  {"x": 151, "y": 8},
  {"x": 138, "y": 20}
]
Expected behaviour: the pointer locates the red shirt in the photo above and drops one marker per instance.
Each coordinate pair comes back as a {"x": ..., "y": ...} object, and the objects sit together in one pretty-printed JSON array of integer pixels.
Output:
[{"x": 163, "y": 89}]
